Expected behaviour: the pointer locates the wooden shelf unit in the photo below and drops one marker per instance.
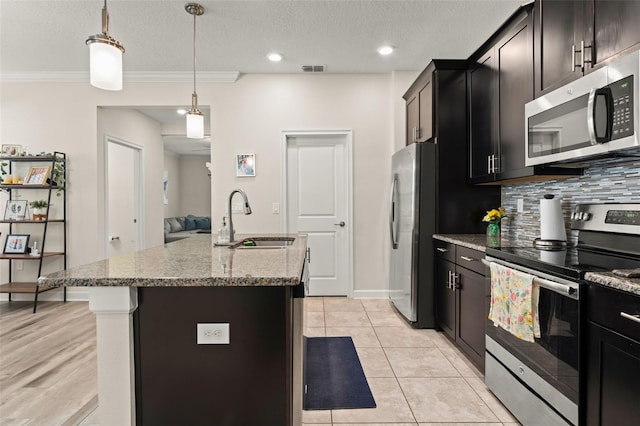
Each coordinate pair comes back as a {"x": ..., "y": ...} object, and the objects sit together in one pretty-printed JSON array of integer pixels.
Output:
[{"x": 20, "y": 287}]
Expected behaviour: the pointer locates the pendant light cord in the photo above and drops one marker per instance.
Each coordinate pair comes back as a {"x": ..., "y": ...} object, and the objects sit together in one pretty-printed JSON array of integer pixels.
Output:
[{"x": 194, "y": 54}]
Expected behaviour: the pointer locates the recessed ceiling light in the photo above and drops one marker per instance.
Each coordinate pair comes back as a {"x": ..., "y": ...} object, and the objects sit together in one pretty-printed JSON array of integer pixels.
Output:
[
  {"x": 274, "y": 57},
  {"x": 181, "y": 111},
  {"x": 385, "y": 50}
]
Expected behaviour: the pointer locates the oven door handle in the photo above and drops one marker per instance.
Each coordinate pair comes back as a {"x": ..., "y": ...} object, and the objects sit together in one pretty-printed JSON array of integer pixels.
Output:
[
  {"x": 548, "y": 284},
  {"x": 554, "y": 286}
]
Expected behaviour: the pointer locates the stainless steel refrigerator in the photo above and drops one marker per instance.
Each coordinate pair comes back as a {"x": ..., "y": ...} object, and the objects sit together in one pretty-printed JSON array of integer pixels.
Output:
[
  {"x": 428, "y": 197},
  {"x": 405, "y": 229},
  {"x": 430, "y": 194}
]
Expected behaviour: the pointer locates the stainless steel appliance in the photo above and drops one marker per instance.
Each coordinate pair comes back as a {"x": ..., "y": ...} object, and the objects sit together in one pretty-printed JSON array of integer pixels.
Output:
[
  {"x": 593, "y": 117},
  {"x": 428, "y": 195},
  {"x": 539, "y": 382}
]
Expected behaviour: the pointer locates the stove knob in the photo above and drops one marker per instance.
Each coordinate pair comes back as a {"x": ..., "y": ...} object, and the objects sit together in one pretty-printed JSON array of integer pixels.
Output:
[
  {"x": 573, "y": 215},
  {"x": 586, "y": 216},
  {"x": 579, "y": 215}
]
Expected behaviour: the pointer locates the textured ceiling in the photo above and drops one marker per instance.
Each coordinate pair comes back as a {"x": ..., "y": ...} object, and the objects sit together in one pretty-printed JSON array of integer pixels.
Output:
[{"x": 49, "y": 36}]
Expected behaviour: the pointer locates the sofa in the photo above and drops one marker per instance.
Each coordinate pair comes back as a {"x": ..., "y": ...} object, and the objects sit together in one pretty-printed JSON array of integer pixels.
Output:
[{"x": 180, "y": 227}]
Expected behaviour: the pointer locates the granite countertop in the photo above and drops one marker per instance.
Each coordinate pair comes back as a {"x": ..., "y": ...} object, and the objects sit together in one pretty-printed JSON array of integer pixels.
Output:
[
  {"x": 630, "y": 285},
  {"x": 472, "y": 241},
  {"x": 192, "y": 262},
  {"x": 478, "y": 242}
]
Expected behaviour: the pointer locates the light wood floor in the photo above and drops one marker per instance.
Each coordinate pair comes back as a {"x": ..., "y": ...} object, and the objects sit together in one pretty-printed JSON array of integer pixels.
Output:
[{"x": 47, "y": 363}]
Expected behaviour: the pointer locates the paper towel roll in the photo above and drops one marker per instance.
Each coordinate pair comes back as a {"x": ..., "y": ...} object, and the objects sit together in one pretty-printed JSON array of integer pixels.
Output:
[{"x": 551, "y": 220}]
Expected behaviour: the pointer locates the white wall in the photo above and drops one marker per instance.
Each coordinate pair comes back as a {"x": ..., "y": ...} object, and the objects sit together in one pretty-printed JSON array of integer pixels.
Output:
[
  {"x": 136, "y": 128},
  {"x": 247, "y": 116}
]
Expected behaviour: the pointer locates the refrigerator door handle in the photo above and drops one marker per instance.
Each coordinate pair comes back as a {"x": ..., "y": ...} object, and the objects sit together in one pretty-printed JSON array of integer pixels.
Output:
[{"x": 393, "y": 219}]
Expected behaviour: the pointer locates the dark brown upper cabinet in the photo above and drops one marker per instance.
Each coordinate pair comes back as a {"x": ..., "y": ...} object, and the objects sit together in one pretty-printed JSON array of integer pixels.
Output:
[
  {"x": 420, "y": 109},
  {"x": 500, "y": 83},
  {"x": 420, "y": 101},
  {"x": 572, "y": 37}
]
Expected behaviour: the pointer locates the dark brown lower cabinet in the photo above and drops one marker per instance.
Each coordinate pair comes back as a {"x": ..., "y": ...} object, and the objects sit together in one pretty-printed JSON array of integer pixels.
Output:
[
  {"x": 461, "y": 298},
  {"x": 613, "y": 358},
  {"x": 246, "y": 382}
]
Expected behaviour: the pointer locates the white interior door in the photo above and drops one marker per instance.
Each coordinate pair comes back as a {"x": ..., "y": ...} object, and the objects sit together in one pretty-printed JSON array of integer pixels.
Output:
[
  {"x": 122, "y": 217},
  {"x": 318, "y": 204}
]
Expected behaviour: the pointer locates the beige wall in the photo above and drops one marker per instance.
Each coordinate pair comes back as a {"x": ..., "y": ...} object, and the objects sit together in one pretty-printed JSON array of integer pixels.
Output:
[
  {"x": 247, "y": 116},
  {"x": 195, "y": 186},
  {"x": 258, "y": 108},
  {"x": 189, "y": 185},
  {"x": 172, "y": 166}
]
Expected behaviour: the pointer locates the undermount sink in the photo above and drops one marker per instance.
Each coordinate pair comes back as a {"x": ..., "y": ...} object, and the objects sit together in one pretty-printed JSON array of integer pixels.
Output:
[{"x": 263, "y": 243}]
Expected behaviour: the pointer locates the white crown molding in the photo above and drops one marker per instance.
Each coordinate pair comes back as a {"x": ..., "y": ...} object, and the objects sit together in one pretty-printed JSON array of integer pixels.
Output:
[{"x": 129, "y": 77}]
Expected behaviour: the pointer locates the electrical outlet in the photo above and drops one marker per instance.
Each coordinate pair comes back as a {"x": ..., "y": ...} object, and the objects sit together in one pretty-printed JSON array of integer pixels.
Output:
[
  {"x": 19, "y": 265},
  {"x": 236, "y": 208},
  {"x": 520, "y": 205},
  {"x": 275, "y": 208},
  {"x": 213, "y": 334}
]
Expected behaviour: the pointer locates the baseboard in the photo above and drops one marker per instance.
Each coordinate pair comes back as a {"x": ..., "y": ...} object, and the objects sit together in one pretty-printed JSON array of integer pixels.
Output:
[
  {"x": 74, "y": 294},
  {"x": 370, "y": 294}
]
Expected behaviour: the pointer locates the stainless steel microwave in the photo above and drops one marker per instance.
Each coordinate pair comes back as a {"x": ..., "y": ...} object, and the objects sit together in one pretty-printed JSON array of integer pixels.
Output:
[{"x": 593, "y": 117}]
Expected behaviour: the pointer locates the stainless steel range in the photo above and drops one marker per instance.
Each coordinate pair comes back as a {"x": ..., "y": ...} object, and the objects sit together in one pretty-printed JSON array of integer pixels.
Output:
[{"x": 539, "y": 382}]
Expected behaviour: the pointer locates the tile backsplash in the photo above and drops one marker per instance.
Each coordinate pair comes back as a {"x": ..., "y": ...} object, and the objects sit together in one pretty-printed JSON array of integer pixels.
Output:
[{"x": 613, "y": 183}]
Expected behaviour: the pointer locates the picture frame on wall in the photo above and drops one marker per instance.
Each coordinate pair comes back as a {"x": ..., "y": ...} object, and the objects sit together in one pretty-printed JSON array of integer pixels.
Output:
[
  {"x": 16, "y": 244},
  {"x": 11, "y": 150},
  {"x": 245, "y": 165},
  {"x": 15, "y": 210},
  {"x": 37, "y": 175}
]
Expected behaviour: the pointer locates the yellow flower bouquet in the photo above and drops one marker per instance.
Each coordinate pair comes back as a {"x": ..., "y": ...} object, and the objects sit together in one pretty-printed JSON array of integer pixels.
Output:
[
  {"x": 493, "y": 228},
  {"x": 494, "y": 216}
]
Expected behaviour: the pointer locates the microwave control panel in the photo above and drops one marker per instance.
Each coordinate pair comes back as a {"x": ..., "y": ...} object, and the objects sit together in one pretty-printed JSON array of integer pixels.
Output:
[{"x": 622, "y": 91}]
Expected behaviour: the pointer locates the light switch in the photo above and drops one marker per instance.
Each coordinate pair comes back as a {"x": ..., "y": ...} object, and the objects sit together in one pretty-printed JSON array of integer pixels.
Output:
[
  {"x": 520, "y": 205},
  {"x": 275, "y": 208},
  {"x": 213, "y": 333}
]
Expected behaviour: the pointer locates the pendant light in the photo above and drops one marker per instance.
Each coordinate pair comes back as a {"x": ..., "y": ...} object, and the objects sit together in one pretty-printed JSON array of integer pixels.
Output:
[
  {"x": 195, "y": 118},
  {"x": 105, "y": 57}
]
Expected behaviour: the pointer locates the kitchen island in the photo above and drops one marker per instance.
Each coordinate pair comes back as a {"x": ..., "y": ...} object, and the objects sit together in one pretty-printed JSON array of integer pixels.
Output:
[{"x": 190, "y": 333}]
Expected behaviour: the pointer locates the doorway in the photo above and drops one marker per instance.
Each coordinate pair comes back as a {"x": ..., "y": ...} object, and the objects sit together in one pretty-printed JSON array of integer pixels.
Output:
[
  {"x": 317, "y": 192},
  {"x": 123, "y": 197}
]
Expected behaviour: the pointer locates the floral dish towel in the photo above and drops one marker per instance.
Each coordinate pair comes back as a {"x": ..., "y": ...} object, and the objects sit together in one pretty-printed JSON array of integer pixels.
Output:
[{"x": 514, "y": 302}]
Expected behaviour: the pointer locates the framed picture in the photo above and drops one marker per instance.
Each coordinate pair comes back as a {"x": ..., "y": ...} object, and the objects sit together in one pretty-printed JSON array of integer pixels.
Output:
[
  {"x": 245, "y": 165},
  {"x": 16, "y": 210},
  {"x": 16, "y": 244},
  {"x": 11, "y": 150},
  {"x": 37, "y": 175}
]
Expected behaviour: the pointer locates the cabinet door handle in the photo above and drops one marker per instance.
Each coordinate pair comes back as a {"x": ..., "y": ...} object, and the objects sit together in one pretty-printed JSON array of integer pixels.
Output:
[
  {"x": 454, "y": 283},
  {"x": 634, "y": 318},
  {"x": 582, "y": 47},
  {"x": 442, "y": 250},
  {"x": 417, "y": 134},
  {"x": 573, "y": 57},
  {"x": 489, "y": 164},
  {"x": 309, "y": 254},
  {"x": 468, "y": 259}
]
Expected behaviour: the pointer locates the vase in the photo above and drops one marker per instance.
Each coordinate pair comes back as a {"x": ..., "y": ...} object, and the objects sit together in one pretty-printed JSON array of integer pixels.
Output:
[
  {"x": 39, "y": 213},
  {"x": 493, "y": 234}
]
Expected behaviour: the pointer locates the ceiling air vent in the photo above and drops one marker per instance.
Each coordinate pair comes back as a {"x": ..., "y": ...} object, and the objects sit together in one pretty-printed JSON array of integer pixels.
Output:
[{"x": 313, "y": 68}]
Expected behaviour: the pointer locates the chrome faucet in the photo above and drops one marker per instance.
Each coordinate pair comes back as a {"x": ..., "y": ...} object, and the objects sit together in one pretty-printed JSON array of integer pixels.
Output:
[{"x": 246, "y": 210}]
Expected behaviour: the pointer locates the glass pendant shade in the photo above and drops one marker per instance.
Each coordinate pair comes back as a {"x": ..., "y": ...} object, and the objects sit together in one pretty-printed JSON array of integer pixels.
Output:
[
  {"x": 105, "y": 62},
  {"x": 195, "y": 125}
]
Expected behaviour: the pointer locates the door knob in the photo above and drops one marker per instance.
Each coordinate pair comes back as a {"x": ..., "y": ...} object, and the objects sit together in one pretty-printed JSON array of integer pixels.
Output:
[{"x": 341, "y": 224}]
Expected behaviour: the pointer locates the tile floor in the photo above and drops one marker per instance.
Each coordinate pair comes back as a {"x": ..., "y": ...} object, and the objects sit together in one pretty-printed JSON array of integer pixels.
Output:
[{"x": 417, "y": 376}]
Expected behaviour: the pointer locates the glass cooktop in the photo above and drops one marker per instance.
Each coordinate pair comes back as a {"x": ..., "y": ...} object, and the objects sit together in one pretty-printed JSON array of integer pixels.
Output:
[{"x": 571, "y": 263}]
